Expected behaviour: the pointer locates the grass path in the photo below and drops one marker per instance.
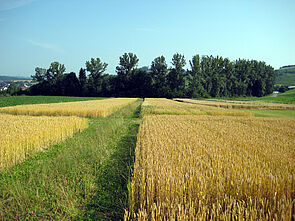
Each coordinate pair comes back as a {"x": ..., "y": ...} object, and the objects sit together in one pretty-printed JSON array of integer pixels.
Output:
[
  {"x": 273, "y": 113},
  {"x": 83, "y": 178}
]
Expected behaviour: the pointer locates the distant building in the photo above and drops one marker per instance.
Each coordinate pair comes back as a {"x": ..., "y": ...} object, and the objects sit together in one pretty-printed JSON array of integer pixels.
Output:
[
  {"x": 4, "y": 88},
  {"x": 23, "y": 88},
  {"x": 275, "y": 93}
]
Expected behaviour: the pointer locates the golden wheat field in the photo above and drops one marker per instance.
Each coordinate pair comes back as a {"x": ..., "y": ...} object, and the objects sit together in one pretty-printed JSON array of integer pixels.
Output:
[
  {"x": 22, "y": 136},
  {"x": 166, "y": 106},
  {"x": 204, "y": 167},
  {"x": 93, "y": 108},
  {"x": 240, "y": 104}
]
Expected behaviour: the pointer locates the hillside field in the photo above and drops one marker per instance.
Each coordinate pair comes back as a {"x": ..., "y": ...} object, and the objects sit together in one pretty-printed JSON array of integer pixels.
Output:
[{"x": 286, "y": 76}]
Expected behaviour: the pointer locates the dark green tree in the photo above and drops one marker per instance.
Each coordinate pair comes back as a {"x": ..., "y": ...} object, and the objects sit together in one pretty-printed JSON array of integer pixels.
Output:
[
  {"x": 13, "y": 89},
  {"x": 55, "y": 72},
  {"x": 140, "y": 84},
  {"x": 96, "y": 69},
  {"x": 126, "y": 69},
  {"x": 83, "y": 81},
  {"x": 176, "y": 76},
  {"x": 69, "y": 85},
  {"x": 228, "y": 73},
  {"x": 195, "y": 86},
  {"x": 159, "y": 71},
  {"x": 207, "y": 73},
  {"x": 108, "y": 85},
  {"x": 40, "y": 74}
]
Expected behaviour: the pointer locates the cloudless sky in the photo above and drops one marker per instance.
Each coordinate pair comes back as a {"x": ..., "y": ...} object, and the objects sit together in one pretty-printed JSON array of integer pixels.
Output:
[{"x": 34, "y": 33}]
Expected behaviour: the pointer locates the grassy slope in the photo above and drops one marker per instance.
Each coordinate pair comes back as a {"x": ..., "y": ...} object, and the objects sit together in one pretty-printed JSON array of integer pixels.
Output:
[
  {"x": 287, "y": 98},
  {"x": 84, "y": 177},
  {"x": 18, "y": 100},
  {"x": 286, "y": 76}
]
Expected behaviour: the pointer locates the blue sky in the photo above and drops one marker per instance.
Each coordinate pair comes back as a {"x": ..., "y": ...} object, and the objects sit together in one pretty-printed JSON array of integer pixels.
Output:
[{"x": 37, "y": 32}]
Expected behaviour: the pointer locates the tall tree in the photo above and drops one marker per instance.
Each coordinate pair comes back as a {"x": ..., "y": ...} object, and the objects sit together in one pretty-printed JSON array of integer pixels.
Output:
[
  {"x": 126, "y": 69},
  {"x": 140, "y": 84},
  {"x": 176, "y": 76},
  {"x": 82, "y": 81},
  {"x": 159, "y": 70},
  {"x": 207, "y": 73},
  {"x": 195, "y": 87},
  {"x": 228, "y": 71},
  {"x": 69, "y": 85},
  {"x": 96, "y": 69},
  {"x": 128, "y": 63},
  {"x": 55, "y": 72},
  {"x": 39, "y": 74}
]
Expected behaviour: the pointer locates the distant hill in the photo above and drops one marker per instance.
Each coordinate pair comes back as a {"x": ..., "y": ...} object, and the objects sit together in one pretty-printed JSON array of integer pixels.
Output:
[
  {"x": 286, "y": 75},
  {"x": 12, "y": 78}
]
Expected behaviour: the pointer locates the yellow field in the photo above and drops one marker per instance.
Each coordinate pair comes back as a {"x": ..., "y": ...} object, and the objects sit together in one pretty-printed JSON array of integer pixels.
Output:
[
  {"x": 165, "y": 106},
  {"x": 214, "y": 168},
  {"x": 22, "y": 136},
  {"x": 240, "y": 104},
  {"x": 93, "y": 108}
]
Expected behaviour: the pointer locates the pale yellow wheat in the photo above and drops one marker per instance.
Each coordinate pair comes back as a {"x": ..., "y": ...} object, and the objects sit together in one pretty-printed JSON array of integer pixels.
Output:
[
  {"x": 240, "y": 104},
  {"x": 23, "y": 136},
  {"x": 172, "y": 107},
  {"x": 93, "y": 108}
]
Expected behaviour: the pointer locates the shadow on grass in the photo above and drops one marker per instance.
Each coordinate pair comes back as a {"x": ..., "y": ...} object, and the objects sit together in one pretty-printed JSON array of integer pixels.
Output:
[{"x": 112, "y": 194}]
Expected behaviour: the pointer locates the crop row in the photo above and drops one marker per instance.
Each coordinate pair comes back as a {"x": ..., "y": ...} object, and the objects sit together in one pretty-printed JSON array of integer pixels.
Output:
[
  {"x": 93, "y": 108},
  {"x": 240, "y": 104},
  {"x": 172, "y": 107}
]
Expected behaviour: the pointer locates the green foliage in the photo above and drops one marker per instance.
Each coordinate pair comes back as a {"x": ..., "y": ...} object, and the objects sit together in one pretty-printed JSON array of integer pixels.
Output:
[
  {"x": 83, "y": 81},
  {"x": 208, "y": 77},
  {"x": 13, "y": 89},
  {"x": 55, "y": 72},
  {"x": 239, "y": 78},
  {"x": 125, "y": 71},
  {"x": 196, "y": 81},
  {"x": 176, "y": 76},
  {"x": 128, "y": 63},
  {"x": 159, "y": 71},
  {"x": 96, "y": 69},
  {"x": 39, "y": 75},
  {"x": 83, "y": 178}
]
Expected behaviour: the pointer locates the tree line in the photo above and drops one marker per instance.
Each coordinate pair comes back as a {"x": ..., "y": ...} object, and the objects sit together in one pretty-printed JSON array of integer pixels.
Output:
[{"x": 208, "y": 76}]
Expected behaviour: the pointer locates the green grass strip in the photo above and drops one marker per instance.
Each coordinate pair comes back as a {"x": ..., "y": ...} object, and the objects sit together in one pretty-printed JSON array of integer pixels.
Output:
[{"x": 273, "y": 113}]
